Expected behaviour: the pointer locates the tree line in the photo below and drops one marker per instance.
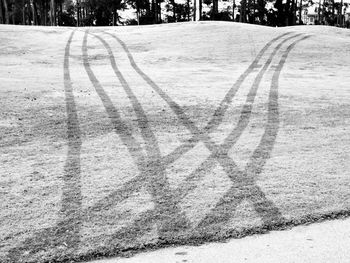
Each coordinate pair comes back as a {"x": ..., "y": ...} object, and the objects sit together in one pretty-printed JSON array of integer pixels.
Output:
[{"x": 106, "y": 12}]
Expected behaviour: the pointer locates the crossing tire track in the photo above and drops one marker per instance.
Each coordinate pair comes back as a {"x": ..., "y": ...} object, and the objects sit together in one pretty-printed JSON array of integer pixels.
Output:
[
  {"x": 120, "y": 127},
  {"x": 151, "y": 168},
  {"x": 203, "y": 135},
  {"x": 219, "y": 113},
  {"x": 269, "y": 213},
  {"x": 219, "y": 153}
]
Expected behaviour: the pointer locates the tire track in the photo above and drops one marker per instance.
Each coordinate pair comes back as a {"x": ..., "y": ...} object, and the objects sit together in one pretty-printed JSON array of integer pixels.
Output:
[
  {"x": 120, "y": 127},
  {"x": 150, "y": 167},
  {"x": 219, "y": 153},
  {"x": 152, "y": 147},
  {"x": 67, "y": 231},
  {"x": 248, "y": 106},
  {"x": 219, "y": 113},
  {"x": 264, "y": 207}
]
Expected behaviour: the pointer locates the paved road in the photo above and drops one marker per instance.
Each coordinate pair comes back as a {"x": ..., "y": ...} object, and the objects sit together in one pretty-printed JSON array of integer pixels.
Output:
[{"x": 321, "y": 242}]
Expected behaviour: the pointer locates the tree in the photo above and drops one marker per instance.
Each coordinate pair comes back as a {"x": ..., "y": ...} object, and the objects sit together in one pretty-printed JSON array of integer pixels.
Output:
[
  {"x": 215, "y": 9},
  {"x": 243, "y": 14},
  {"x": 53, "y": 13},
  {"x": 6, "y": 11},
  {"x": 1, "y": 13}
]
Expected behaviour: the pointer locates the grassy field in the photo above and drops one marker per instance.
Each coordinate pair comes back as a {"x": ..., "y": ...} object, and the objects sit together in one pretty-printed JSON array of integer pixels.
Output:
[{"x": 117, "y": 140}]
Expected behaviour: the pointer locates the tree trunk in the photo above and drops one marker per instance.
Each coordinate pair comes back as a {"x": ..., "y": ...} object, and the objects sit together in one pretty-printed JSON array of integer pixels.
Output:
[
  {"x": 1, "y": 13},
  {"x": 333, "y": 13},
  {"x": 159, "y": 12},
  {"x": 294, "y": 7},
  {"x": 300, "y": 11},
  {"x": 254, "y": 5},
  {"x": 29, "y": 13},
  {"x": 153, "y": 11},
  {"x": 249, "y": 5},
  {"x": 200, "y": 7},
  {"x": 174, "y": 9},
  {"x": 44, "y": 12},
  {"x": 233, "y": 9},
  {"x": 286, "y": 13},
  {"x": 60, "y": 13},
  {"x": 115, "y": 14},
  {"x": 35, "y": 7},
  {"x": 341, "y": 14},
  {"x": 319, "y": 12},
  {"x": 194, "y": 9},
  {"x": 35, "y": 14},
  {"x": 324, "y": 11},
  {"x": 215, "y": 8},
  {"x": 242, "y": 15},
  {"x": 52, "y": 13},
  {"x": 188, "y": 10},
  {"x": 138, "y": 14},
  {"x": 78, "y": 14},
  {"x": 13, "y": 13},
  {"x": 6, "y": 10},
  {"x": 23, "y": 12}
]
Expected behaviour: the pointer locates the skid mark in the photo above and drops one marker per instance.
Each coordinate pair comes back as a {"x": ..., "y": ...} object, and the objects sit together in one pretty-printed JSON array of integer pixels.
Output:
[
  {"x": 178, "y": 171},
  {"x": 121, "y": 128},
  {"x": 245, "y": 112},
  {"x": 244, "y": 217},
  {"x": 101, "y": 222},
  {"x": 220, "y": 111},
  {"x": 150, "y": 166},
  {"x": 264, "y": 207},
  {"x": 162, "y": 215},
  {"x": 243, "y": 149},
  {"x": 106, "y": 165},
  {"x": 248, "y": 106},
  {"x": 67, "y": 231},
  {"x": 209, "y": 190},
  {"x": 231, "y": 115},
  {"x": 159, "y": 125},
  {"x": 152, "y": 147},
  {"x": 219, "y": 153}
]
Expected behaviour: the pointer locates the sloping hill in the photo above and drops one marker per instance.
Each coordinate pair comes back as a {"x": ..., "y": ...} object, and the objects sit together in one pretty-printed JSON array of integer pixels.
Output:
[{"x": 115, "y": 140}]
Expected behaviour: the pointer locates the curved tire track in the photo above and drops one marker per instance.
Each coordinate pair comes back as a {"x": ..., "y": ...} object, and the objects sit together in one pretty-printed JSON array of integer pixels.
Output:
[
  {"x": 268, "y": 212},
  {"x": 219, "y": 112},
  {"x": 67, "y": 231},
  {"x": 220, "y": 153},
  {"x": 151, "y": 167}
]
